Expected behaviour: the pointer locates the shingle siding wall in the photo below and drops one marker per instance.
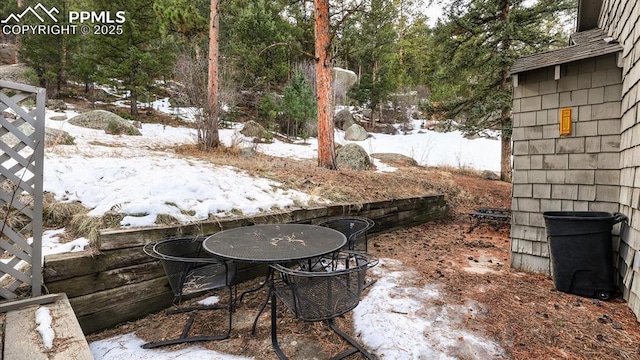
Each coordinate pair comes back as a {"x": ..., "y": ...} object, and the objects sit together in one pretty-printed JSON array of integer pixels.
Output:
[
  {"x": 621, "y": 20},
  {"x": 579, "y": 172}
]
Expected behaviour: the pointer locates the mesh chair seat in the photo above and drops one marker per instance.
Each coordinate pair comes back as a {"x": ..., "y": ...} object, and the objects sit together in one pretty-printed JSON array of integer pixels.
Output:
[
  {"x": 191, "y": 270},
  {"x": 323, "y": 295},
  {"x": 318, "y": 299}
]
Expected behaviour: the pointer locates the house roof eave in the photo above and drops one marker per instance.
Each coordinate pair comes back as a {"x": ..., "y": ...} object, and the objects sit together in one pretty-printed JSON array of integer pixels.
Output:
[{"x": 586, "y": 44}]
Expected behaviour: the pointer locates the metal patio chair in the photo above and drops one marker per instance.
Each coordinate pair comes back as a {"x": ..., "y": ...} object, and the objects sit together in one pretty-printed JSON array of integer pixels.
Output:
[
  {"x": 190, "y": 270},
  {"x": 322, "y": 295},
  {"x": 355, "y": 228}
]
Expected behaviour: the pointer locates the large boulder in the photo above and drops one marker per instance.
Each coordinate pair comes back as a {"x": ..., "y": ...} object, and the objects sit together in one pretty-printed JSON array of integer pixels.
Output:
[
  {"x": 395, "y": 159},
  {"x": 343, "y": 80},
  {"x": 255, "y": 130},
  {"x": 56, "y": 105},
  {"x": 355, "y": 132},
  {"x": 343, "y": 119},
  {"x": 105, "y": 120},
  {"x": 353, "y": 156},
  {"x": 387, "y": 129},
  {"x": 54, "y": 137},
  {"x": 99, "y": 95},
  {"x": 344, "y": 77},
  {"x": 489, "y": 175}
]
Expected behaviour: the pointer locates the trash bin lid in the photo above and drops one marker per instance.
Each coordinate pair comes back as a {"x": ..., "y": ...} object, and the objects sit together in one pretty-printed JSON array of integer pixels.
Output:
[{"x": 577, "y": 215}]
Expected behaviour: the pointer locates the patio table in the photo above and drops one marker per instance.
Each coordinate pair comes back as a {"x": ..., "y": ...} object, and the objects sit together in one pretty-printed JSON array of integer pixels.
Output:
[{"x": 273, "y": 244}]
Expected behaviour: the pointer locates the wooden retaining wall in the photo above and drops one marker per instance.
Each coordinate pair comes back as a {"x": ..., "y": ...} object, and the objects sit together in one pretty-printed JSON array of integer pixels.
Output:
[{"x": 120, "y": 282}]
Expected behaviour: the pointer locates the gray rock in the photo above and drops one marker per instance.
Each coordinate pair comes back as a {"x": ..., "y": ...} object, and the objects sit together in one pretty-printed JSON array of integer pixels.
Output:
[
  {"x": 388, "y": 129},
  {"x": 355, "y": 132},
  {"x": 51, "y": 136},
  {"x": 11, "y": 140},
  {"x": 343, "y": 80},
  {"x": 353, "y": 156},
  {"x": 56, "y": 105},
  {"x": 105, "y": 120},
  {"x": 344, "y": 77},
  {"x": 255, "y": 130},
  {"x": 395, "y": 159},
  {"x": 343, "y": 119},
  {"x": 489, "y": 175},
  {"x": 58, "y": 117},
  {"x": 247, "y": 152},
  {"x": 54, "y": 137},
  {"x": 99, "y": 95},
  {"x": 471, "y": 136}
]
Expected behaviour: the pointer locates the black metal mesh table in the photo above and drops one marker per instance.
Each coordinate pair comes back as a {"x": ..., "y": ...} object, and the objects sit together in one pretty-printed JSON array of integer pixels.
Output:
[{"x": 274, "y": 243}]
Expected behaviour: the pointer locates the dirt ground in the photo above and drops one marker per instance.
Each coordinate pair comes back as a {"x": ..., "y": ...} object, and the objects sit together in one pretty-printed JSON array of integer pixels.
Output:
[{"x": 524, "y": 314}]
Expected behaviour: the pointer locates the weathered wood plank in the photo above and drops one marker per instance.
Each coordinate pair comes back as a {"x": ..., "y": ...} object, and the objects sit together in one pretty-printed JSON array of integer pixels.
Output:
[
  {"x": 110, "y": 317},
  {"x": 18, "y": 304},
  {"x": 22, "y": 341},
  {"x": 118, "y": 239},
  {"x": 119, "y": 298},
  {"x": 114, "y": 306},
  {"x": 115, "y": 239},
  {"x": 127, "y": 303},
  {"x": 87, "y": 284},
  {"x": 92, "y": 283},
  {"x": 68, "y": 265}
]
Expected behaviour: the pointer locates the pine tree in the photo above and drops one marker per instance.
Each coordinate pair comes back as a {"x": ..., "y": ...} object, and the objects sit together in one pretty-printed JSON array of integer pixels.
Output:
[
  {"x": 47, "y": 54},
  {"x": 138, "y": 56},
  {"x": 298, "y": 107},
  {"x": 377, "y": 57},
  {"x": 475, "y": 48},
  {"x": 258, "y": 40}
]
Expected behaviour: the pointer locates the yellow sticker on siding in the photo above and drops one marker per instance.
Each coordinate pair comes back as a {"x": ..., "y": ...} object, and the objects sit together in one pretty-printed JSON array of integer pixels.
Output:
[{"x": 565, "y": 121}]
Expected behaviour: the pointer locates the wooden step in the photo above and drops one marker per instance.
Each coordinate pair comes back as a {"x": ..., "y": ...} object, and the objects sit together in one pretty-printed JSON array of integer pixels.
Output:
[{"x": 23, "y": 342}]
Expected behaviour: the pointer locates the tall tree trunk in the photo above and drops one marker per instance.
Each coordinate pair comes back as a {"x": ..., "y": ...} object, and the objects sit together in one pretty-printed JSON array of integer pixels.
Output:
[
  {"x": 326, "y": 147},
  {"x": 62, "y": 74},
  {"x": 133, "y": 101},
  {"x": 374, "y": 107},
  {"x": 212, "y": 138},
  {"x": 505, "y": 116},
  {"x": 17, "y": 53}
]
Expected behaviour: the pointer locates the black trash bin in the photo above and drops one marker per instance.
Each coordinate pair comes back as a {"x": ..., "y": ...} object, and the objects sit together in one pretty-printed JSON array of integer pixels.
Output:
[{"x": 581, "y": 252}]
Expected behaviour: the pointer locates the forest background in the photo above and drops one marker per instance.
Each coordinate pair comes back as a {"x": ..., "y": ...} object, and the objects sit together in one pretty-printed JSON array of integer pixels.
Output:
[{"x": 454, "y": 70}]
